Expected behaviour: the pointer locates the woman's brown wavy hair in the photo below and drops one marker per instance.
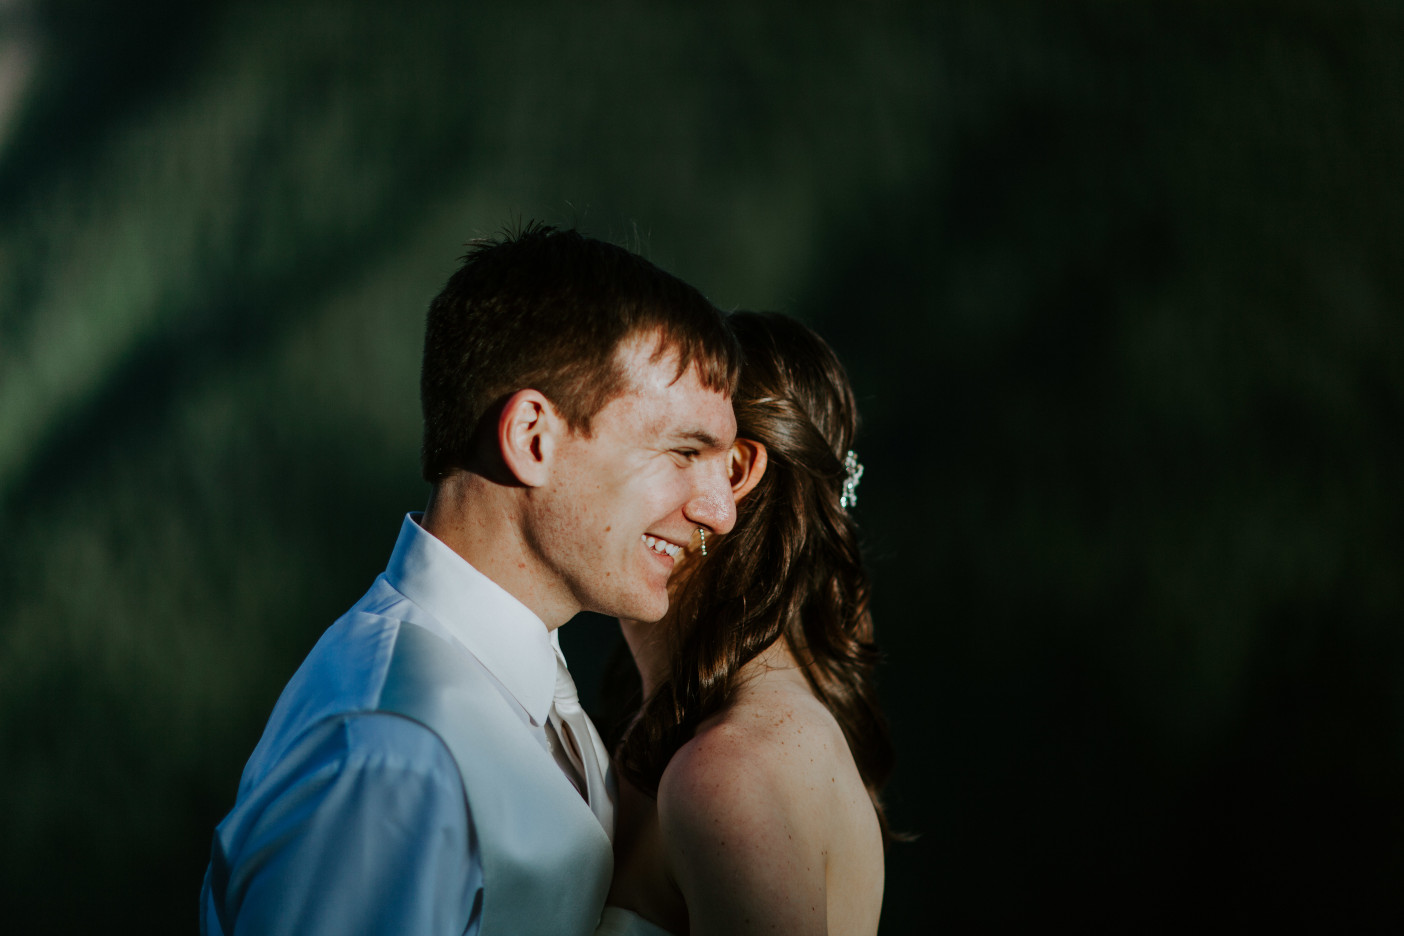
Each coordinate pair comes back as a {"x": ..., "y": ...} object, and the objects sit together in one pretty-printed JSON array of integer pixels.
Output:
[{"x": 790, "y": 569}]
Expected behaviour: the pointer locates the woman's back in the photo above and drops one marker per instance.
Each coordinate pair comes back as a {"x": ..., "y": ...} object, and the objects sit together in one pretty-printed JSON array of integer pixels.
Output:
[{"x": 762, "y": 824}]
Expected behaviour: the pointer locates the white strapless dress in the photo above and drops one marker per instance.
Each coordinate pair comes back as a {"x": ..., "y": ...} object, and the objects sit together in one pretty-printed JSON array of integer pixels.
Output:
[{"x": 616, "y": 921}]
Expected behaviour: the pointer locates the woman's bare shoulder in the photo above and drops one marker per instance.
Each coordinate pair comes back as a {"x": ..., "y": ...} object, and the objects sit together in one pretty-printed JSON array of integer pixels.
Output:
[
  {"x": 745, "y": 809},
  {"x": 774, "y": 742}
]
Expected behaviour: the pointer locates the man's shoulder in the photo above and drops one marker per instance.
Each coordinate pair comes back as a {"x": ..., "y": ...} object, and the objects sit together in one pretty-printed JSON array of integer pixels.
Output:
[
  {"x": 342, "y": 674},
  {"x": 374, "y": 742},
  {"x": 383, "y": 600},
  {"x": 345, "y": 670}
]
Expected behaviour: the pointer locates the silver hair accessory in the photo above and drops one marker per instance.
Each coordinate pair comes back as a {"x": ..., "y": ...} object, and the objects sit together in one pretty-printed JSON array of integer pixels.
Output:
[
  {"x": 851, "y": 465},
  {"x": 702, "y": 532}
]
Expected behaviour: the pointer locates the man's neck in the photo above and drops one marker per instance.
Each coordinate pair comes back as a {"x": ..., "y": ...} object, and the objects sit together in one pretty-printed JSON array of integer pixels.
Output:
[{"x": 475, "y": 518}]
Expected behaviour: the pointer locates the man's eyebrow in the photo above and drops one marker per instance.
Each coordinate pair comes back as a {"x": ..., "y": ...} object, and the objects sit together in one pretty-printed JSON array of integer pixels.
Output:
[{"x": 700, "y": 436}]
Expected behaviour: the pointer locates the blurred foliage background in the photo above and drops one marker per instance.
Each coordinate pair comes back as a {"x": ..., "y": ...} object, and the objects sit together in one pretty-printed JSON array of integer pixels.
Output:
[{"x": 1118, "y": 285}]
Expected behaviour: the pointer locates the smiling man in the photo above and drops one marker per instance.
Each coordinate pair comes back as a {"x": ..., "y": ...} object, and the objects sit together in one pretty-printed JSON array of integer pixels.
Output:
[{"x": 428, "y": 768}]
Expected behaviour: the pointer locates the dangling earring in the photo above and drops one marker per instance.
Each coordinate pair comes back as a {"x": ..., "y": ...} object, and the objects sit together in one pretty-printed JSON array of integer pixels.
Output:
[{"x": 702, "y": 532}]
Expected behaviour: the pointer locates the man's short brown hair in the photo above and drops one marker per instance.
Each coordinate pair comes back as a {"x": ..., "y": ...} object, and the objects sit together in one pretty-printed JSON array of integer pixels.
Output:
[{"x": 547, "y": 309}]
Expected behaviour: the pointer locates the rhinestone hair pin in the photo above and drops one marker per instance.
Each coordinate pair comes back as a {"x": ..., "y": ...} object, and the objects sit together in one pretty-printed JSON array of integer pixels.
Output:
[{"x": 854, "y": 470}]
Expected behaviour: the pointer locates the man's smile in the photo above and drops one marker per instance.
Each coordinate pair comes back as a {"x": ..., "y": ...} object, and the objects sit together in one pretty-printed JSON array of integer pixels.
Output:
[{"x": 662, "y": 546}]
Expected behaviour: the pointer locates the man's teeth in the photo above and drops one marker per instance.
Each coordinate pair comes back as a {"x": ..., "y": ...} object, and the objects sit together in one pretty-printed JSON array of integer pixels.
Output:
[{"x": 662, "y": 546}]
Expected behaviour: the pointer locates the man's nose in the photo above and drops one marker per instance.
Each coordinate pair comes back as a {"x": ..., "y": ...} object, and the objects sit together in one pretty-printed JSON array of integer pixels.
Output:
[{"x": 712, "y": 505}]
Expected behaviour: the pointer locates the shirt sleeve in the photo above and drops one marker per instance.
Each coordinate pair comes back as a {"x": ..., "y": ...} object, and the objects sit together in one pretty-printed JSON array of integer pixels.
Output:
[{"x": 364, "y": 830}]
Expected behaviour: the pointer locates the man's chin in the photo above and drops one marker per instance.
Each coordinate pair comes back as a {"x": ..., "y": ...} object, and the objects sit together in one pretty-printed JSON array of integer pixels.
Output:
[{"x": 644, "y": 611}]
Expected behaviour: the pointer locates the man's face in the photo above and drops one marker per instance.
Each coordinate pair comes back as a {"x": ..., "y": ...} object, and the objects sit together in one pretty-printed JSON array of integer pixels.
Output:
[{"x": 655, "y": 466}]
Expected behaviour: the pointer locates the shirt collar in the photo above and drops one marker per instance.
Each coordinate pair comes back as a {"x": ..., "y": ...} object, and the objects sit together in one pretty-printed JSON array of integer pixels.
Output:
[{"x": 495, "y": 627}]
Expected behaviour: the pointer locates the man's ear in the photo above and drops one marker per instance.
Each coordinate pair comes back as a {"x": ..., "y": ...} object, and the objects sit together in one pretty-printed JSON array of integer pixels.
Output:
[
  {"x": 747, "y": 465},
  {"x": 528, "y": 430}
]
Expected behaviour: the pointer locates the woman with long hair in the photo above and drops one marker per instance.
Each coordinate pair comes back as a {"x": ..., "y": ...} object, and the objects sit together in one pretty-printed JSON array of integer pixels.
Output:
[{"x": 749, "y": 774}]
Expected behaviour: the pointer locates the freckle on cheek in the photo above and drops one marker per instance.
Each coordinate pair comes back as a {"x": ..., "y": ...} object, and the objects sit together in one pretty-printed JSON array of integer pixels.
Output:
[{"x": 608, "y": 528}]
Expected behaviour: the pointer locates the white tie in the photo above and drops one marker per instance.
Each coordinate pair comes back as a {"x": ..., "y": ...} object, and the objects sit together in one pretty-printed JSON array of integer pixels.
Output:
[{"x": 583, "y": 746}]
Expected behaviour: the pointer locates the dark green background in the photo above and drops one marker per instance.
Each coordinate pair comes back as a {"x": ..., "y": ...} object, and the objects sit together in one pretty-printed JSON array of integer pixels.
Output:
[{"x": 1118, "y": 285}]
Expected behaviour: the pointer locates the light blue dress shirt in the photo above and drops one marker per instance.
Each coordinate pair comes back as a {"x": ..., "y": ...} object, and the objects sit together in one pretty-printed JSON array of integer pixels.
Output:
[{"x": 350, "y": 820}]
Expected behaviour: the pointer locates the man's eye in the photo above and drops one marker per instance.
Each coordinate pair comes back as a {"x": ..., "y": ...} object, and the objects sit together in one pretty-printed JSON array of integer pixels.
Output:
[{"x": 688, "y": 454}]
